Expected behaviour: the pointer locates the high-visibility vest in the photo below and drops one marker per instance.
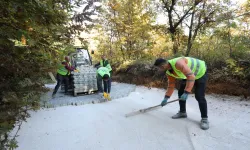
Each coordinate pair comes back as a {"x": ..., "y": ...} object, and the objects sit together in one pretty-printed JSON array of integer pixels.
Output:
[
  {"x": 62, "y": 70},
  {"x": 104, "y": 63},
  {"x": 198, "y": 67},
  {"x": 102, "y": 71}
]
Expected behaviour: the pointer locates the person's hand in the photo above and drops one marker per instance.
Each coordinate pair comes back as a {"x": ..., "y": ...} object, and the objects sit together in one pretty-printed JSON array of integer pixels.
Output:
[
  {"x": 184, "y": 96},
  {"x": 76, "y": 70},
  {"x": 164, "y": 101}
]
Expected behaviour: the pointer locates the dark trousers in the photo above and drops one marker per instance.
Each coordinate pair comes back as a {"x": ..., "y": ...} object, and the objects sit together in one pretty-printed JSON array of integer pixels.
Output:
[
  {"x": 99, "y": 84},
  {"x": 60, "y": 79},
  {"x": 107, "y": 85},
  {"x": 199, "y": 87},
  {"x": 70, "y": 85}
]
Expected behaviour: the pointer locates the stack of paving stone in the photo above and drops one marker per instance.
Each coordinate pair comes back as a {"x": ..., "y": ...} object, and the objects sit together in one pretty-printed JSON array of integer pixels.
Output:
[{"x": 85, "y": 80}]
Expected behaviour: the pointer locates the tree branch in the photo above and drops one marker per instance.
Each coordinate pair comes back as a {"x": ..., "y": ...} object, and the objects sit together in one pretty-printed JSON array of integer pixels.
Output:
[
  {"x": 165, "y": 5},
  {"x": 246, "y": 13},
  {"x": 186, "y": 13},
  {"x": 199, "y": 23},
  {"x": 180, "y": 17}
]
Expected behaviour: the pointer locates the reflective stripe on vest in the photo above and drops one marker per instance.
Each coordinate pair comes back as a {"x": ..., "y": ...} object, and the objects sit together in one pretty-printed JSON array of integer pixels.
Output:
[
  {"x": 197, "y": 62},
  {"x": 102, "y": 71},
  {"x": 198, "y": 67}
]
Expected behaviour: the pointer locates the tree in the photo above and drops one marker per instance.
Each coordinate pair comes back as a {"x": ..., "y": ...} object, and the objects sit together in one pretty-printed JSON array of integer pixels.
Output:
[
  {"x": 175, "y": 17},
  {"x": 128, "y": 23},
  {"x": 85, "y": 19},
  {"x": 201, "y": 16}
]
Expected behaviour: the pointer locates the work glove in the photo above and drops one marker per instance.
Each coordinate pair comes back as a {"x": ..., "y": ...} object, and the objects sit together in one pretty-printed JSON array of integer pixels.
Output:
[
  {"x": 76, "y": 70},
  {"x": 164, "y": 101},
  {"x": 105, "y": 95},
  {"x": 184, "y": 96}
]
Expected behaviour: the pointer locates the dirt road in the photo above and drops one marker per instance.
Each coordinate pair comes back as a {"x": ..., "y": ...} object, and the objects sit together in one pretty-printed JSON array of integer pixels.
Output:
[{"x": 103, "y": 125}]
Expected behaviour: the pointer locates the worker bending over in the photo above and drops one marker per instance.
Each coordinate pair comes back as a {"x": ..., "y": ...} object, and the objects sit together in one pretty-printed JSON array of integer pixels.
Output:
[{"x": 193, "y": 73}]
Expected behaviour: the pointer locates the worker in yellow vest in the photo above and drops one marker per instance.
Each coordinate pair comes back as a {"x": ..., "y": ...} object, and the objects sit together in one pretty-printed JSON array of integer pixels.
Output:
[
  {"x": 104, "y": 63},
  {"x": 63, "y": 73},
  {"x": 193, "y": 73},
  {"x": 103, "y": 75}
]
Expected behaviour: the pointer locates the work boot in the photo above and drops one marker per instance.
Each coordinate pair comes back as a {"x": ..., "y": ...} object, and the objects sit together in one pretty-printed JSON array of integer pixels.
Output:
[
  {"x": 204, "y": 124},
  {"x": 108, "y": 97},
  {"x": 179, "y": 115}
]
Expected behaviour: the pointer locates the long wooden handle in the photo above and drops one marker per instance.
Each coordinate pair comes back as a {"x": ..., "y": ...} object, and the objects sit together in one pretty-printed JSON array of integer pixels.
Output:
[
  {"x": 148, "y": 109},
  {"x": 173, "y": 101},
  {"x": 156, "y": 107}
]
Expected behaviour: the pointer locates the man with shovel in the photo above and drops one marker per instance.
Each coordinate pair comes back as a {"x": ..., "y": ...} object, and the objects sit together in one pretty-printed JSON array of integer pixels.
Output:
[{"x": 193, "y": 73}]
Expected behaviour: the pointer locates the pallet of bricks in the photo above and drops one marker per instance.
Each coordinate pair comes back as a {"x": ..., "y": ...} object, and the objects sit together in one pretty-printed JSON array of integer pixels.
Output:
[{"x": 85, "y": 80}]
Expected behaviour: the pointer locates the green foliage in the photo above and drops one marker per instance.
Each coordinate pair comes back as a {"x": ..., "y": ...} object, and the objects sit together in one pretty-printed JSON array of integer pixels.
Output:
[
  {"x": 34, "y": 36},
  {"x": 219, "y": 37},
  {"x": 12, "y": 144},
  {"x": 126, "y": 29},
  {"x": 234, "y": 69}
]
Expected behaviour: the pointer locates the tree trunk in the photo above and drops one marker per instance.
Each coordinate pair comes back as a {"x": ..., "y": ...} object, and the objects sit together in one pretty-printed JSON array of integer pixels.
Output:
[
  {"x": 229, "y": 42},
  {"x": 229, "y": 38},
  {"x": 175, "y": 43},
  {"x": 110, "y": 43},
  {"x": 190, "y": 42},
  {"x": 123, "y": 55}
]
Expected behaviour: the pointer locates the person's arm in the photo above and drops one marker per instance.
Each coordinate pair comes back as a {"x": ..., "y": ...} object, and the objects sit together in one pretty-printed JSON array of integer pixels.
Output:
[
  {"x": 181, "y": 65},
  {"x": 170, "y": 90},
  {"x": 70, "y": 68},
  {"x": 171, "y": 86}
]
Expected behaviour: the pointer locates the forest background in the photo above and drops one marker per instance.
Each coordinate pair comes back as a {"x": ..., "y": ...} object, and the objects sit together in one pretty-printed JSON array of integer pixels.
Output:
[{"x": 35, "y": 35}]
